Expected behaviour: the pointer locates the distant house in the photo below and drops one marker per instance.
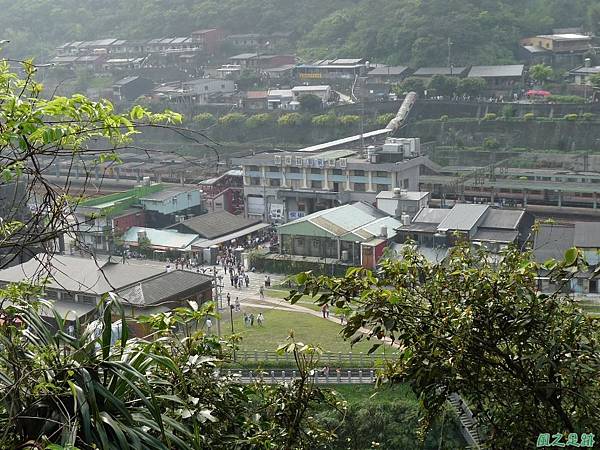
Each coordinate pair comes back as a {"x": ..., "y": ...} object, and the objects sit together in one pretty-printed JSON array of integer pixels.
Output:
[
  {"x": 209, "y": 40},
  {"x": 581, "y": 75},
  {"x": 255, "y": 100},
  {"x": 562, "y": 48},
  {"x": 245, "y": 40},
  {"x": 355, "y": 233},
  {"x": 281, "y": 99},
  {"x": 332, "y": 69},
  {"x": 499, "y": 78},
  {"x": 553, "y": 240},
  {"x": 164, "y": 207},
  {"x": 245, "y": 60},
  {"x": 76, "y": 285},
  {"x": 219, "y": 228},
  {"x": 324, "y": 92},
  {"x": 165, "y": 241},
  {"x": 199, "y": 91},
  {"x": 429, "y": 72},
  {"x": 261, "y": 62},
  {"x": 277, "y": 73},
  {"x": 130, "y": 88},
  {"x": 387, "y": 74},
  {"x": 225, "y": 192},
  {"x": 401, "y": 201}
]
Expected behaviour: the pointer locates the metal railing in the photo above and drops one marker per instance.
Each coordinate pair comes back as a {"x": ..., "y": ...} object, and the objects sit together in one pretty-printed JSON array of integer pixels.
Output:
[{"x": 331, "y": 359}]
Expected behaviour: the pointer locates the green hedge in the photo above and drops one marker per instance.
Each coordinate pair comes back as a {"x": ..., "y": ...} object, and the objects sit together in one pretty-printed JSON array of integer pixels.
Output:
[{"x": 263, "y": 263}]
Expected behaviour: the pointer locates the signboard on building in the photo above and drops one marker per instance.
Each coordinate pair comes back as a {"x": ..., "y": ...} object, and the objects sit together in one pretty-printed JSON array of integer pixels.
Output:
[{"x": 293, "y": 215}]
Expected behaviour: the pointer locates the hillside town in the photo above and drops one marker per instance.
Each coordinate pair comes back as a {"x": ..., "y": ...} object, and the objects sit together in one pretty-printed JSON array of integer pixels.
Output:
[{"x": 200, "y": 231}]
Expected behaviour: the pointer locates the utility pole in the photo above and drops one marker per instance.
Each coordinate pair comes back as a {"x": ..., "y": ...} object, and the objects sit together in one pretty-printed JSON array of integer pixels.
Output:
[{"x": 450, "y": 55}]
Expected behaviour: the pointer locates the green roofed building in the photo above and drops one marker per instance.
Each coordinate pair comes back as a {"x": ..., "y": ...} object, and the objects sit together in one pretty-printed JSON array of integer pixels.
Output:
[{"x": 355, "y": 233}]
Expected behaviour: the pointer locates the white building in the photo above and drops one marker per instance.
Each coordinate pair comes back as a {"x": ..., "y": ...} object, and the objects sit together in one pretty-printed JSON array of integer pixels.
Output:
[
  {"x": 324, "y": 92},
  {"x": 281, "y": 99}
]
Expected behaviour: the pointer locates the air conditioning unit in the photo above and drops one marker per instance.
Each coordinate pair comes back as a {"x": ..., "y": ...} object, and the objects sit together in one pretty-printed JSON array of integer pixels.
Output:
[
  {"x": 288, "y": 160},
  {"x": 331, "y": 163},
  {"x": 277, "y": 160},
  {"x": 343, "y": 162},
  {"x": 299, "y": 161}
]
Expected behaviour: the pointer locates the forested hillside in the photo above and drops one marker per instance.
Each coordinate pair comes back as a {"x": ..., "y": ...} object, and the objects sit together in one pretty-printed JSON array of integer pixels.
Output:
[{"x": 392, "y": 31}]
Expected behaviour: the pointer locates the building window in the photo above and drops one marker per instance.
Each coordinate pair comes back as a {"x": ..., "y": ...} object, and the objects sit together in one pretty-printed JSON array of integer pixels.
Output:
[
  {"x": 174, "y": 200},
  {"x": 315, "y": 184},
  {"x": 67, "y": 296},
  {"x": 359, "y": 187},
  {"x": 359, "y": 173},
  {"x": 253, "y": 168},
  {"x": 382, "y": 174},
  {"x": 51, "y": 294},
  {"x": 383, "y": 187},
  {"x": 274, "y": 169},
  {"x": 87, "y": 299},
  {"x": 294, "y": 169},
  {"x": 337, "y": 172},
  {"x": 255, "y": 181},
  {"x": 405, "y": 183},
  {"x": 275, "y": 182},
  {"x": 98, "y": 240},
  {"x": 315, "y": 171},
  {"x": 315, "y": 243}
]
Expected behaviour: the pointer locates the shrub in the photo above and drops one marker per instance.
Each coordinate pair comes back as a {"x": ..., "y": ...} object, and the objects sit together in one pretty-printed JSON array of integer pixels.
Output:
[
  {"x": 290, "y": 120},
  {"x": 205, "y": 119},
  {"x": 232, "y": 120},
  {"x": 349, "y": 120},
  {"x": 565, "y": 99},
  {"x": 324, "y": 121},
  {"x": 490, "y": 144},
  {"x": 508, "y": 111},
  {"x": 588, "y": 116},
  {"x": 489, "y": 116},
  {"x": 528, "y": 116},
  {"x": 444, "y": 118},
  {"x": 571, "y": 117},
  {"x": 259, "y": 120},
  {"x": 383, "y": 119}
]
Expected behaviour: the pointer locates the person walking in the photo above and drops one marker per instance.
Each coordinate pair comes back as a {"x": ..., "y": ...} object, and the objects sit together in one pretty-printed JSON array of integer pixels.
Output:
[
  {"x": 266, "y": 281},
  {"x": 260, "y": 319},
  {"x": 247, "y": 280},
  {"x": 209, "y": 325},
  {"x": 324, "y": 311},
  {"x": 246, "y": 320},
  {"x": 261, "y": 292},
  {"x": 228, "y": 299},
  {"x": 251, "y": 319},
  {"x": 237, "y": 304}
]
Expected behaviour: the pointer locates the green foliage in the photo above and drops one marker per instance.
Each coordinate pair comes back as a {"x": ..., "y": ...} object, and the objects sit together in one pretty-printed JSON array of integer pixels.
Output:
[
  {"x": 570, "y": 117},
  {"x": 565, "y": 99},
  {"x": 477, "y": 324},
  {"x": 290, "y": 120},
  {"x": 508, "y": 111},
  {"x": 349, "y": 120},
  {"x": 444, "y": 118},
  {"x": 540, "y": 73},
  {"x": 588, "y": 116},
  {"x": 490, "y": 116},
  {"x": 205, "y": 119},
  {"x": 471, "y": 86},
  {"x": 310, "y": 103},
  {"x": 411, "y": 84},
  {"x": 383, "y": 119},
  {"x": 324, "y": 121},
  {"x": 259, "y": 120},
  {"x": 84, "y": 390},
  {"x": 595, "y": 79},
  {"x": 490, "y": 144},
  {"x": 442, "y": 85},
  {"x": 232, "y": 120},
  {"x": 528, "y": 116}
]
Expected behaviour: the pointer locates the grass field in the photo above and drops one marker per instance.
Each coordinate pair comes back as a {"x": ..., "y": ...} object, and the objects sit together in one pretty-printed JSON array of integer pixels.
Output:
[{"x": 307, "y": 328}]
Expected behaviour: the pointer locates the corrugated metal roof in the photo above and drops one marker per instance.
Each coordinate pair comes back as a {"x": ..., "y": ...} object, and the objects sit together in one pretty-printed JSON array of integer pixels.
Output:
[
  {"x": 463, "y": 217},
  {"x": 587, "y": 234},
  {"x": 512, "y": 70},
  {"x": 430, "y": 71},
  {"x": 215, "y": 224},
  {"x": 431, "y": 215},
  {"x": 160, "y": 238},
  {"x": 502, "y": 218},
  {"x": 392, "y": 70},
  {"x": 552, "y": 241},
  {"x": 494, "y": 235}
]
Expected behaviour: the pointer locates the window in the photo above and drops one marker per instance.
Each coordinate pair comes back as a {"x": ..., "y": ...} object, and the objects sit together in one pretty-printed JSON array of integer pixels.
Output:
[
  {"x": 359, "y": 173},
  {"x": 255, "y": 181},
  {"x": 253, "y": 168},
  {"x": 87, "y": 299},
  {"x": 206, "y": 88},
  {"x": 98, "y": 240},
  {"x": 222, "y": 86},
  {"x": 275, "y": 182},
  {"x": 315, "y": 184},
  {"x": 67, "y": 296},
  {"x": 405, "y": 183},
  {"x": 315, "y": 243},
  {"x": 294, "y": 170},
  {"x": 315, "y": 171},
  {"x": 174, "y": 200},
  {"x": 274, "y": 169},
  {"x": 359, "y": 187},
  {"x": 383, "y": 187},
  {"x": 337, "y": 172},
  {"x": 382, "y": 174},
  {"x": 51, "y": 294}
]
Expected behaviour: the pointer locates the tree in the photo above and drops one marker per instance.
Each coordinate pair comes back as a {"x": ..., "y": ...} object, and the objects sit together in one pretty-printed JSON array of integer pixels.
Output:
[
  {"x": 349, "y": 120},
  {"x": 232, "y": 120},
  {"x": 442, "y": 85},
  {"x": 540, "y": 73},
  {"x": 310, "y": 103},
  {"x": 324, "y": 121},
  {"x": 205, "y": 119},
  {"x": 477, "y": 325},
  {"x": 411, "y": 84},
  {"x": 595, "y": 80},
  {"x": 290, "y": 120},
  {"x": 259, "y": 120},
  {"x": 471, "y": 86}
]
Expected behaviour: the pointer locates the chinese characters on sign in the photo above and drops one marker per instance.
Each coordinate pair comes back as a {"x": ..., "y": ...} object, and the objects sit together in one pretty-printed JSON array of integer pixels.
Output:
[{"x": 557, "y": 440}]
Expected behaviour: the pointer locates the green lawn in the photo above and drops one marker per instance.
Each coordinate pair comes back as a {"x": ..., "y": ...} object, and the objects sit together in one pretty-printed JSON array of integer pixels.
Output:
[
  {"x": 308, "y": 329},
  {"x": 306, "y": 300}
]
